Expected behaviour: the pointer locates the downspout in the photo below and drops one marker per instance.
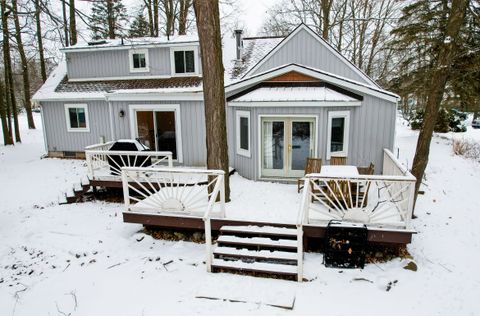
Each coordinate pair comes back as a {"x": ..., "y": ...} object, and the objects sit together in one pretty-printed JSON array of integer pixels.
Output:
[{"x": 110, "y": 114}]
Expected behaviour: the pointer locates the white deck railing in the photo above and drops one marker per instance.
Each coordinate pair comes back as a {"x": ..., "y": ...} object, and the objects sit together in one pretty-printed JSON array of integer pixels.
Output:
[
  {"x": 375, "y": 200},
  {"x": 184, "y": 192},
  {"x": 105, "y": 163}
]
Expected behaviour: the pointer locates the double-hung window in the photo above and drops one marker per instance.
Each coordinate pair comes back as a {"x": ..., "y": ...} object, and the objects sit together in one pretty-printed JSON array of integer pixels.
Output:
[
  {"x": 243, "y": 133},
  {"x": 338, "y": 127},
  {"x": 77, "y": 117},
  {"x": 139, "y": 60},
  {"x": 184, "y": 61}
]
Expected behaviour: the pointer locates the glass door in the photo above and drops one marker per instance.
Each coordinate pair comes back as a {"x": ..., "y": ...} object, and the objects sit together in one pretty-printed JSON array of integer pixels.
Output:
[
  {"x": 146, "y": 129},
  {"x": 157, "y": 130},
  {"x": 286, "y": 144}
]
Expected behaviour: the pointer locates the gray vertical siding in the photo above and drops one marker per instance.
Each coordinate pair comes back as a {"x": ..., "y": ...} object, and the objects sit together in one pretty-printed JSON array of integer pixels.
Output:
[
  {"x": 371, "y": 129},
  {"x": 304, "y": 49},
  {"x": 60, "y": 139}
]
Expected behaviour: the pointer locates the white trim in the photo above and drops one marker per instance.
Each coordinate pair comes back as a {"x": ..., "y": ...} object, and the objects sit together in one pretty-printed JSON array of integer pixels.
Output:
[
  {"x": 130, "y": 59},
  {"x": 315, "y": 73},
  {"x": 320, "y": 40},
  {"x": 133, "y": 108},
  {"x": 195, "y": 59},
  {"x": 73, "y": 49},
  {"x": 126, "y": 77},
  {"x": 259, "y": 136},
  {"x": 67, "y": 117},
  {"x": 240, "y": 151},
  {"x": 294, "y": 103},
  {"x": 155, "y": 96},
  {"x": 44, "y": 129},
  {"x": 110, "y": 114},
  {"x": 346, "y": 133}
]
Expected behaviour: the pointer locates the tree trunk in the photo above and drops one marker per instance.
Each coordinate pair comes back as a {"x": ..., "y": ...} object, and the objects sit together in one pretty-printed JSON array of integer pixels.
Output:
[
  {"x": 326, "y": 6},
  {"x": 148, "y": 5},
  {"x": 7, "y": 134},
  {"x": 65, "y": 24},
  {"x": 73, "y": 24},
  {"x": 155, "y": 18},
  {"x": 10, "y": 92},
  {"x": 25, "y": 73},
  {"x": 169, "y": 16},
  {"x": 43, "y": 69},
  {"x": 437, "y": 88},
  {"x": 110, "y": 19},
  {"x": 183, "y": 15},
  {"x": 208, "y": 26}
]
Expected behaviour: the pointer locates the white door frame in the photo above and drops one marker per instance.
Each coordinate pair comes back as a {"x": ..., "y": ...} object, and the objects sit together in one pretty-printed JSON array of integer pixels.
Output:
[
  {"x": 283, "y": 116},
  {"x": 134, "y": 108}
]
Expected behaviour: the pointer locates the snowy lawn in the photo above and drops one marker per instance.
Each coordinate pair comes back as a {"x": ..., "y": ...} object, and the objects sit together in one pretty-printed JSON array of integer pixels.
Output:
[{"x": 81, "y": 259}]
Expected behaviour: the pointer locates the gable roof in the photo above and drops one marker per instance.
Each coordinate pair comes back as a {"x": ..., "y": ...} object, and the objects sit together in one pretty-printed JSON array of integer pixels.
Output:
[
  {"x": 333, "y": 50},
  {"x": 342, "y": 82}
]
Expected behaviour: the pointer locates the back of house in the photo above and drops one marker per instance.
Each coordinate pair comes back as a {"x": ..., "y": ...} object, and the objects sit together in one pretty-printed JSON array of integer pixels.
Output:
[{"x": 288, "y": 98}]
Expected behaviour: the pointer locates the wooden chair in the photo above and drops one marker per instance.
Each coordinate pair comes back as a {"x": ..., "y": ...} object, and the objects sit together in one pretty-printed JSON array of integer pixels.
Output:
[
  {"x": 312, "y": 165},
  {"x": 367, "y": 170},
  {"x": 338, "y": 161}
]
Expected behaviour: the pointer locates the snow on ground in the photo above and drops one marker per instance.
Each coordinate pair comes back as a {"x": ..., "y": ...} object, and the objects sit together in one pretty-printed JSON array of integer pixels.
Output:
[{"x": 81, "y": 259}]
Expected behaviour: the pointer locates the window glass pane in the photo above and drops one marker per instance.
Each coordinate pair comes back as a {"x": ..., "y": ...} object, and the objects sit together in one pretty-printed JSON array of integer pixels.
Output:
[
  {"x": 273, "y": 142},
  {"x": 166, "y": 134},
  {"x": 179, "y": 62},
  {"x": 139, "y": 60},
  {"x": 72, "y": 113},
  {"x": 244, "y": 133},
  {"x": 338, "y": 127},
  {"x": 82, "y": 122},
  {"x": 189, "y": 61},
  {"x": 301, "y": 144}
]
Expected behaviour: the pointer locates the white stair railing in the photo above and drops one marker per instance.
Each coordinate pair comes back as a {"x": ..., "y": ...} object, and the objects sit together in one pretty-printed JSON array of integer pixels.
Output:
[{"x": 103, "y": 162}]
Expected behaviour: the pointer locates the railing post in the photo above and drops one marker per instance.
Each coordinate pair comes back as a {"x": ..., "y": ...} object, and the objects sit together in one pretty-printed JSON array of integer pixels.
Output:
[
  {"x": 299, "y": 253},
  {"x": 126, "y": 191},
  {"x": 208, "y": 243},
  {"x": 411, "y": 202},
  {"x": 88, "y": 158},
  {"x": 222, "y": 195},
  {"x": 170, "y": 160},
  {"x": 306, "y": 200}
]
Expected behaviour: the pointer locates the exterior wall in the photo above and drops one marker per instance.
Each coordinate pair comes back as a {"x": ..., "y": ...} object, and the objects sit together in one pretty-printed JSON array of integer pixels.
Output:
[
  {"x": 115, "y": 63},
  {"x": 372, "y": 127},
  {"x": 59, "y": 139},
  {"x": 306, "y": 50}
]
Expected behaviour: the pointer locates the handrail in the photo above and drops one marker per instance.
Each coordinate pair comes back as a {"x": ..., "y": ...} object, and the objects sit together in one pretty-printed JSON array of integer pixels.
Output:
[
  {"x": 94, "y": 146},
  {"x": 407, "y": 178}
]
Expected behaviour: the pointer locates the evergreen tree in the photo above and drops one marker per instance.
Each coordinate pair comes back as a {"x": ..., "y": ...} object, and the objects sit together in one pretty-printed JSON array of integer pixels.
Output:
[
  {"x": 107, "y": 19},
  {"x": 139, "y": 26}
]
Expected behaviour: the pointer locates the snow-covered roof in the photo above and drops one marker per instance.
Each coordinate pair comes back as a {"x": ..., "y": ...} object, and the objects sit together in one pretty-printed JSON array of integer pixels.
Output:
[
  {"x": 279, "y": 94},
  {"x": 126, "y": 43}
]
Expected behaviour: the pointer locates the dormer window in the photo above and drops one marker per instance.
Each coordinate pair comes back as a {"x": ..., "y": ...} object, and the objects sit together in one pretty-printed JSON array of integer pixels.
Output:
[
  {"x": 184, "y": 61},
  {"x": 139, "y": 60}
]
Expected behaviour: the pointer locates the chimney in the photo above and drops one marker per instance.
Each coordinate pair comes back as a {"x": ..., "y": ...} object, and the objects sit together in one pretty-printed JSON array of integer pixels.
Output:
[{"x": 239, "y": 43}]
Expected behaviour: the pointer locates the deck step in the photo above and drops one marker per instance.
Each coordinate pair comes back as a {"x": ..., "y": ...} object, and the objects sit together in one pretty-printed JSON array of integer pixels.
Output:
[
  {"x": 261, "y": 267},
  {"x": 252, "y": 254},
  {"x": 260, "y": 230},
  {"x": 62, "y": 199},
  {"x": 257, "y": 241}
]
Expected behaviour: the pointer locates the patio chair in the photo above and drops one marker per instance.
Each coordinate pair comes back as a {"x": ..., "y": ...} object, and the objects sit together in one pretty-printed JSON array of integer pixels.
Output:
[
  {"x": 363, "y": 190},
  {"x": 312, "y": 165},
  {"x": 338, "y": 161},
  {"x": 366, "y": 170}
]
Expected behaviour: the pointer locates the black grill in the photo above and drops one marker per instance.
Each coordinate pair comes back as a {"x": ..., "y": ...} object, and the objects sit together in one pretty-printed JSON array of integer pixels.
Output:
[{"x": 345, "y": 245}]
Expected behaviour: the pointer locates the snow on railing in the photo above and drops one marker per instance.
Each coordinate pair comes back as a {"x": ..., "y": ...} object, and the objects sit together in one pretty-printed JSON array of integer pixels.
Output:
[
  {"x": 187, "y": 192},
  {"x": 376, "y": 200},
  {"x": 102, "y": 162}
]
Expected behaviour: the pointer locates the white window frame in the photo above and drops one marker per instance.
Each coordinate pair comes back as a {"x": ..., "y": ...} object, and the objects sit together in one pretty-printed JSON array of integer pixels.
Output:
[
  {"x": 182, "y": 49},
  {"x": 67, "y": 118},
  {"x": 147, "y": 62},
  {"x": 241, "y": 151},
  {"x": 346, "y": 133}
]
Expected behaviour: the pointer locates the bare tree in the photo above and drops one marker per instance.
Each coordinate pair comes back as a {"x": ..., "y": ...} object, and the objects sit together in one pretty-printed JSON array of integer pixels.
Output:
[
  {"x": 208, "y": 26},
  {"x": 183, "y": 16},
  {"x": 25, "y": 73},
  {"x": 73, "y": 23}
]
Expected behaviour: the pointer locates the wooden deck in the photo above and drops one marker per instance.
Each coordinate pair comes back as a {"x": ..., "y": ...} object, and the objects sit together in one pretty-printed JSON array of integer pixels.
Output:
[{"x": 375, "y": 235}]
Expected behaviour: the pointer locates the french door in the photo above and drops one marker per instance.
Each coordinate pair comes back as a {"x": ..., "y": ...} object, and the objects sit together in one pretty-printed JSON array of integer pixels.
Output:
[
  {"x": 286, "y": 143},
  {"x": 157, "y": 130}
]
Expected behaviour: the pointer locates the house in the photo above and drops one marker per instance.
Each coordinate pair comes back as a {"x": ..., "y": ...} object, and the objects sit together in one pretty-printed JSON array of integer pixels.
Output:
[{"x": 288, "y": 98}]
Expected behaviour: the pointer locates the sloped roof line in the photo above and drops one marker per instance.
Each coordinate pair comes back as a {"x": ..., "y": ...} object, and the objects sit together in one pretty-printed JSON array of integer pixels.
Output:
[{"x": 321, "y": 40}]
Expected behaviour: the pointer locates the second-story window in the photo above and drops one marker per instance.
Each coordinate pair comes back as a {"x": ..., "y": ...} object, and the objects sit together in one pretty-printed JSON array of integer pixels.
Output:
[
  {"x": 184, "y": 61},
  {"x": 139, "y": 60}
]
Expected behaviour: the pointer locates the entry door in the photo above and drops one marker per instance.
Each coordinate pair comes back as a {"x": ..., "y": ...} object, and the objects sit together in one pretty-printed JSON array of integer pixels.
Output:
[
  {"x": 157, "y": 130},
  {"x": 286, "y": 144}
]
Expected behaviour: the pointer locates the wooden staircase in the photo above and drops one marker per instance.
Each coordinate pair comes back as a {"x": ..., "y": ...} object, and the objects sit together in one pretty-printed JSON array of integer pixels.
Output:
[
  {"x": 257, "y": 250},
  {"x": 76, "y": 193}
]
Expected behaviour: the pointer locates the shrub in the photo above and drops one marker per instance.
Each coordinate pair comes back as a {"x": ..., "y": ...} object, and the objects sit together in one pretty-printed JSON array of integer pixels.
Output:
[
  {"x": 466, "y": 148},
  {"x": 447, "y": 120}
]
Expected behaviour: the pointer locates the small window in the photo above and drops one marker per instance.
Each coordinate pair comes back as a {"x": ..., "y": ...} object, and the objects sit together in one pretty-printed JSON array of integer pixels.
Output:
[
  {"x": 338, "y": 125},
  {"x": 77, "y": 117},
  {"x": 139, "y": 60},
  {"x": 243, "y": 133},
  {"x": 184, "y": 61}
]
